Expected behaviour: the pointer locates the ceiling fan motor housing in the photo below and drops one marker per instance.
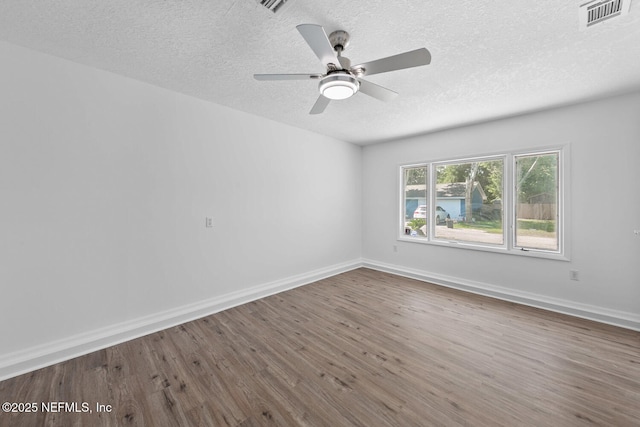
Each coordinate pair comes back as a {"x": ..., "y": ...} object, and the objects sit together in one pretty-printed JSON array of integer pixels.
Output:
[{"x": 339, "y": 40}]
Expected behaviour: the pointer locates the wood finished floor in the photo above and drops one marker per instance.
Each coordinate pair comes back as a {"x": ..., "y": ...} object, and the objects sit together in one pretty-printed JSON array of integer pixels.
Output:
[{"x": 362, "y": 348}]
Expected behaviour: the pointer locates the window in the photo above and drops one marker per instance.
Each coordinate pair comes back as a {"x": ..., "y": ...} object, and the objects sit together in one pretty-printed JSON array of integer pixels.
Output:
[
  {"x": 415, "y": 201},
  {"x": 536, "y": 207},
  {"x": 469, "y": 195},
  {"x": 510, "y": 202}
]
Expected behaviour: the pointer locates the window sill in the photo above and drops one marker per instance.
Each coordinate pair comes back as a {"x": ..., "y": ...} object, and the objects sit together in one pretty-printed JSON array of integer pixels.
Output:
[{"x": 531, "y": 253}]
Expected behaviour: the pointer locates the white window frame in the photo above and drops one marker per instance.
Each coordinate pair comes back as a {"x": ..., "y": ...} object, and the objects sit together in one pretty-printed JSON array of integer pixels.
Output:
[
  {"x": 508, "y": 203},
  {"x": 560, "y": 223}
]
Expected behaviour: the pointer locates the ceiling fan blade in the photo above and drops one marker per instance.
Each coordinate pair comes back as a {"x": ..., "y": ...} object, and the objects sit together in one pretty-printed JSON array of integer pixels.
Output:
[
  {"x": 317, "y": 39},
  {"x": 320, "y": 105},
  {"x": 375, "y": 91},
  {"x": 414, "y": 58},
  {"x": 286, "y": 76}
]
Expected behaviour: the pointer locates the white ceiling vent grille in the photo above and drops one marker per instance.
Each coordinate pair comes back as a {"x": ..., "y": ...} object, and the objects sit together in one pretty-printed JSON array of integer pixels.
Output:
[
  {"x": 597, "y": 11},
  {"x": 272, "y": 5}
]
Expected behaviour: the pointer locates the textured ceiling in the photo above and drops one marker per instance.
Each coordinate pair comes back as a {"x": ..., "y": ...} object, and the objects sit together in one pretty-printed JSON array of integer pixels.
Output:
[{"x": 489, "y": 59}]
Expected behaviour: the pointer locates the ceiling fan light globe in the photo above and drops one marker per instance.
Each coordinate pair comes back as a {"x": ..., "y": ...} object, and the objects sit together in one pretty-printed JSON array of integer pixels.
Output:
[
  {"x": 338, "y": 86},
  {"x": 338, "y": 91}
]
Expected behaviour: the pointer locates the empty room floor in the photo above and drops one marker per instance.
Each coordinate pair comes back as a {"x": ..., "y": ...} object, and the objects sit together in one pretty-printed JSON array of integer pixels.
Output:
[{"x": 362, "y": 348}]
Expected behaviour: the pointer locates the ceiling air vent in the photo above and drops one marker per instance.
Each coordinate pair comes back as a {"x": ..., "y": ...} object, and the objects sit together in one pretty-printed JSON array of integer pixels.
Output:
[
  {"x": 597, "y": 11},
  {"x": 272, "y": 5}
]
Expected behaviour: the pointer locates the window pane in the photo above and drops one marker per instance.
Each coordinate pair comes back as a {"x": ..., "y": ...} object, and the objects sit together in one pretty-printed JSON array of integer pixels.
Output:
[
  {"x": 537, "y": 201},
  {"x": 415, "y": 201},
  {"x": 469, "y": 202}
]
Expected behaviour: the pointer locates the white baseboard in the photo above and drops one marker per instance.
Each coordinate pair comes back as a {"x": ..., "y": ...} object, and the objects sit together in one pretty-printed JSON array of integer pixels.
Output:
[
  {"x": 603, "y": 315},
  {"x": 40, "y": 356}
]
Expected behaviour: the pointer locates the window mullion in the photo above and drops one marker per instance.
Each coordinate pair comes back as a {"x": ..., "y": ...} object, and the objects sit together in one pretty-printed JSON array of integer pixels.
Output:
[{"x": 432, "y": 200}]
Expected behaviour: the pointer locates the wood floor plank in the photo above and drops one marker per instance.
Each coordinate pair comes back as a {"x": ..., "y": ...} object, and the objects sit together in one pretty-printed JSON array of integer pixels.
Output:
[{"x": 363, "y": 348}]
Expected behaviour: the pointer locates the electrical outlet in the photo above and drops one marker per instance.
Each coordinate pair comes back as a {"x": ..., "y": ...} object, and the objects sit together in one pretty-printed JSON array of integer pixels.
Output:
[
  {"x": 573, "y": 275},
  {"x": 395, "y": 248},
  {"x": 208, "y": 222}
]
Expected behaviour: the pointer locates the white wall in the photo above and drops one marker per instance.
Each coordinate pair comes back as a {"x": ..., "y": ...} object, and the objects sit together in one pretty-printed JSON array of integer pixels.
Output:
[
  {"x": 105, "y": 183},
  {"x": 604, "y": 139}
]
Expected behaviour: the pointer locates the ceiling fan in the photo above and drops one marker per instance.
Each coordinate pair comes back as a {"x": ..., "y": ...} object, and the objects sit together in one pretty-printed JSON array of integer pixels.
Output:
[{"x": 342, "y": 80}]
